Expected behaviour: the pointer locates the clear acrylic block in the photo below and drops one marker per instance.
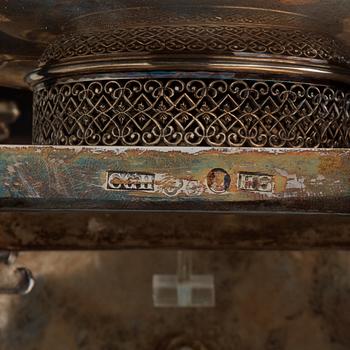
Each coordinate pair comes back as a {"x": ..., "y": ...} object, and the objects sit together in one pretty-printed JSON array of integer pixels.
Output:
[{"x": 184, "y": 289}]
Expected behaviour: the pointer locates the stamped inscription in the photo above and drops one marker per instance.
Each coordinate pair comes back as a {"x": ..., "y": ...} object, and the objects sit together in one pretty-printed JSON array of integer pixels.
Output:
[
  {"x": 130, "y": 181},
  {"x": 255, "y": 182},
  {"x": 218, "y": 180}
]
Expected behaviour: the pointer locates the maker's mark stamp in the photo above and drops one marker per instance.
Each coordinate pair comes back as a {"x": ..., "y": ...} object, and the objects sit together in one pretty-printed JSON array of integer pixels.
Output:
[
  {"x": 255, "y": 182},
  {"x": 130, "y": 181}
]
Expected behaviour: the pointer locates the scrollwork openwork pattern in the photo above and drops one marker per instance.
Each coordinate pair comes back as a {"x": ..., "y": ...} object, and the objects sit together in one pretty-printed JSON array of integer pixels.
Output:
[
  {"x": 192, "y": 112},
  {"x": 197, "y": 39}
]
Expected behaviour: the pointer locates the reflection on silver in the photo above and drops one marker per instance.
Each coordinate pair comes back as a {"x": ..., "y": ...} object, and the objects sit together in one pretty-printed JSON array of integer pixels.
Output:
[
  {"x": 24, "y": 279},
  {"x": 9, "y": 113}
]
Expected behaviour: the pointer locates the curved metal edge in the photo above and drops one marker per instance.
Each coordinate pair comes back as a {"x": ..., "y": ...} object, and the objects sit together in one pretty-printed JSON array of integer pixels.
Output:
[
  {"x": 25, "y": 284},
  {"x": 263, "y": 64},
  {"x": 81, "y": 21},
  {"x": 27, "y": 281}
]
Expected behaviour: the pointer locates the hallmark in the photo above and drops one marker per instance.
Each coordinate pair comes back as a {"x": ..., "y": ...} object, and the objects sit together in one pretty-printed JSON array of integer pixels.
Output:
[
  {"x": 218, "y": 180},
  {"x": 255, "y": 182},
  {"x": 130, "y": 181}
]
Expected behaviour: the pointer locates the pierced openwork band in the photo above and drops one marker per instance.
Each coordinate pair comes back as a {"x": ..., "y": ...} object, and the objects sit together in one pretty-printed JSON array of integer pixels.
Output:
[
  {"x": 194, "y": 40},
  {"x": 238, "y": 77},
  {"x": 192, "y": 112}
]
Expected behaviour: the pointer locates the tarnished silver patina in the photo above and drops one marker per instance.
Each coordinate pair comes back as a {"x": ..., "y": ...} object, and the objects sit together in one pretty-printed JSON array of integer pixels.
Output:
[{"x": 224, "y": 77}]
